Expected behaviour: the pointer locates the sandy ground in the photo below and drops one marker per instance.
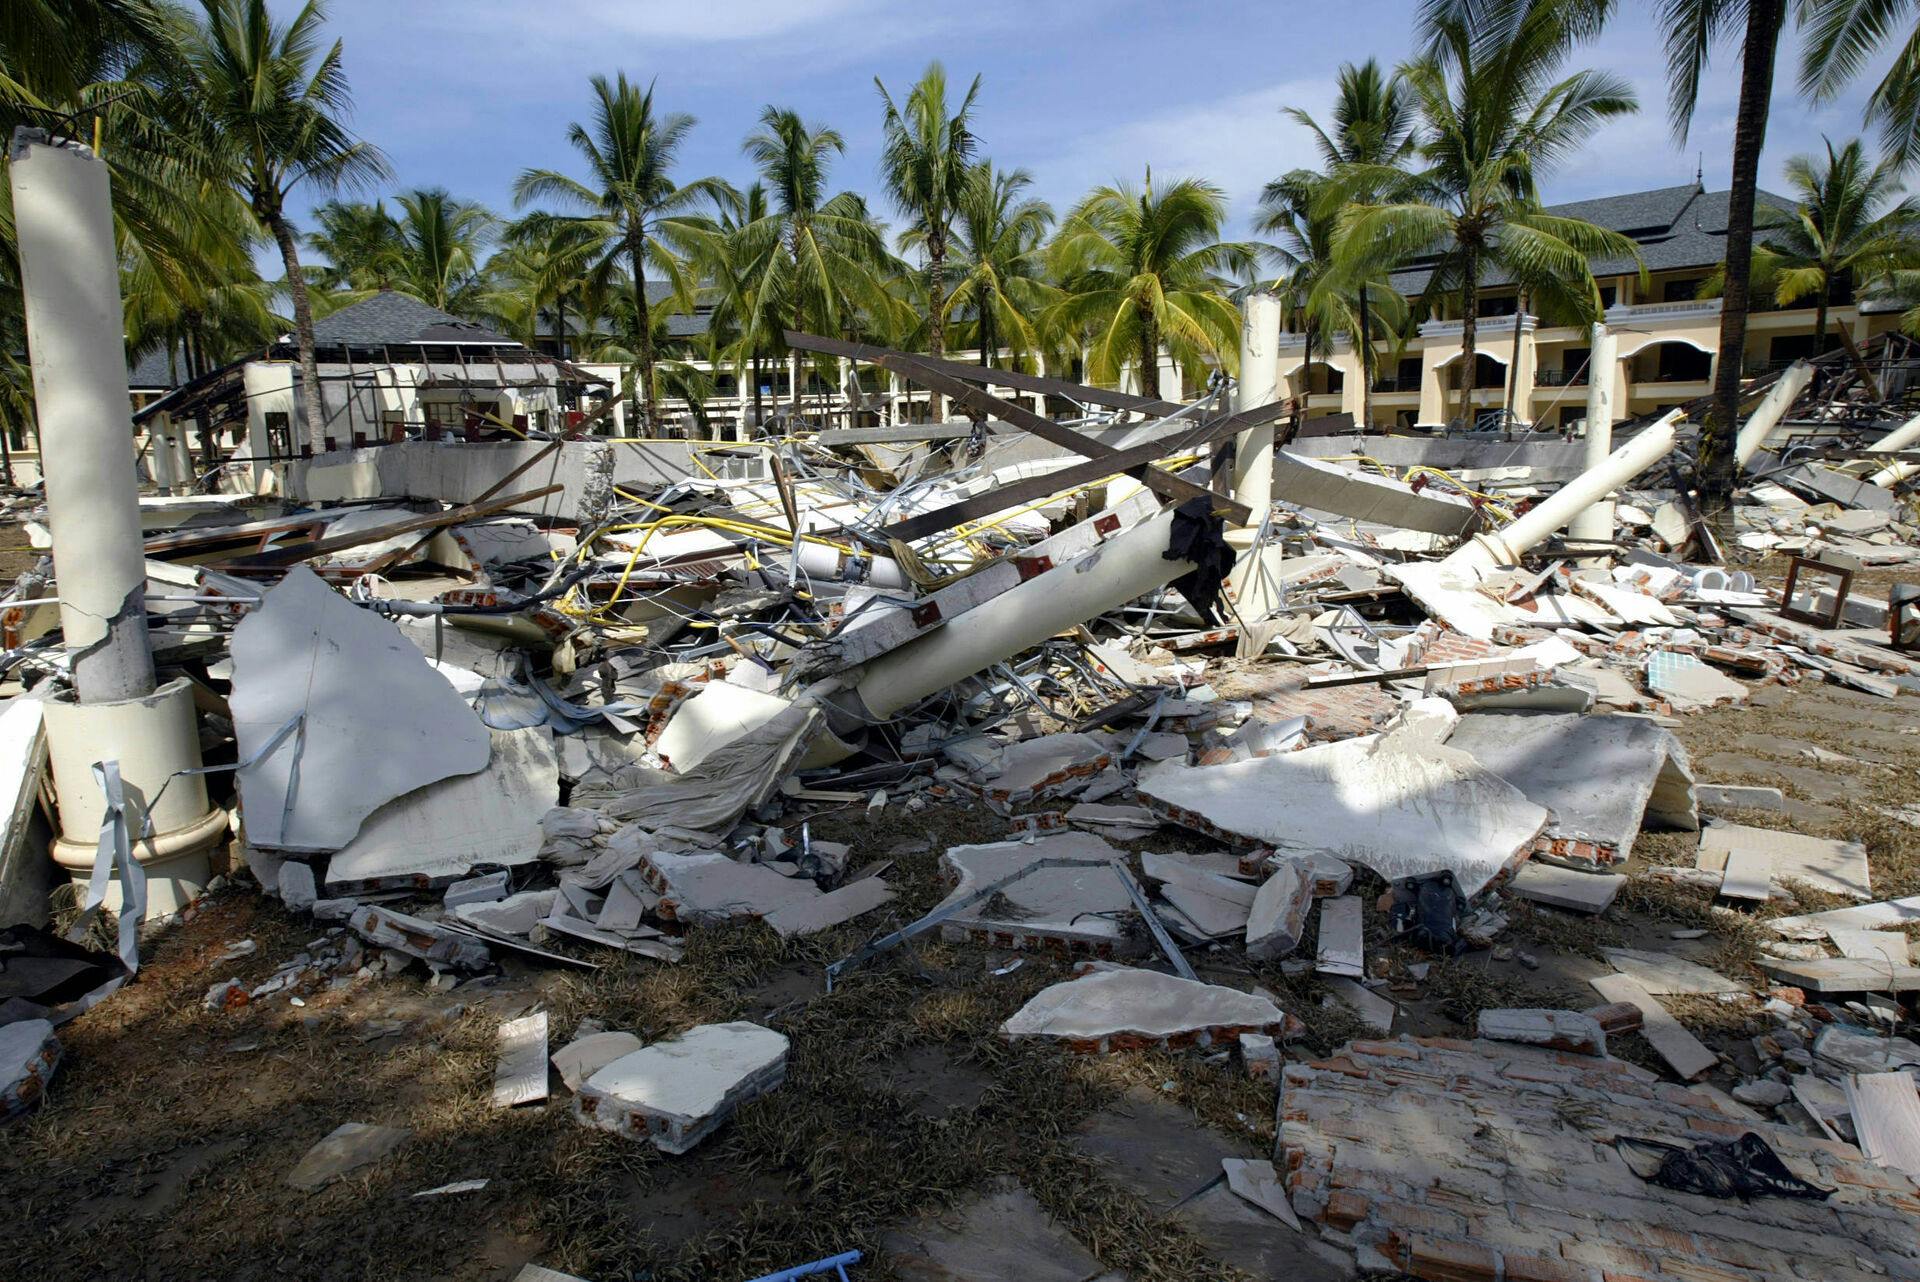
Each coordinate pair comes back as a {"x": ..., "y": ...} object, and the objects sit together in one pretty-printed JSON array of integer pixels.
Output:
[{"x": 163, "y": 1150}]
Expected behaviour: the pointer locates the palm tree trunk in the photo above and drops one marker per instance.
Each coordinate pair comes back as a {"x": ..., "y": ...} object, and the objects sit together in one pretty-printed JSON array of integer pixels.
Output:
[
  {"x": 302, "y": 330},
  {"x": 759, "y": 409},
  {"x": 937, "y": 312},
  {"x": 1469, "y": 337},
  {"x": 644, "y": 320},
  {"x": 1820, "y": 318},
  {"x": 1149, "y": 356},
  {"x": 1365, "y": 345},
  {"x": 1513, "y": 366},
  {"x": 1764, "y": 18}
]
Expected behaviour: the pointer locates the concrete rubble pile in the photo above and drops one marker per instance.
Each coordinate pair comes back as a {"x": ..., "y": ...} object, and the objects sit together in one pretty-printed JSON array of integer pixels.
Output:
[{"x": 1231, "y": 703}]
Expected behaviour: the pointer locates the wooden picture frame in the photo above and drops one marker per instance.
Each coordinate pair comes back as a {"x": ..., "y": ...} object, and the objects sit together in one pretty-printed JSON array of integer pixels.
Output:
[{"x": 1800, "y": 601}]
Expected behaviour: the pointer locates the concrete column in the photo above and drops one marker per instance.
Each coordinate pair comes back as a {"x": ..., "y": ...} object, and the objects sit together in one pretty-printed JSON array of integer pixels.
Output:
[
  {"x": 70, "y": 280},
  {"x": 1596, "y": 523},
  {"x": 1772, "y": 408},
  {"x": 1259, "y": 385},
  {"x": 1510, "y": 542}
]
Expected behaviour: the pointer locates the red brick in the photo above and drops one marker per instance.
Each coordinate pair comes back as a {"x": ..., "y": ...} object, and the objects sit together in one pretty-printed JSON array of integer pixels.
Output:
[
  {"x": 1694, "y": 1271},
  {"x": 1438, "y": 1260},
  {"x": 1540, "y": 1268},
  {"x": 1407, "y": 1216},
  {"x": 1391, "y": 1050},
  {"x": 1447, "y": 1044},
  {"x": 1346, "y": 1208},
  {"x": 1610, "y": 1257}
]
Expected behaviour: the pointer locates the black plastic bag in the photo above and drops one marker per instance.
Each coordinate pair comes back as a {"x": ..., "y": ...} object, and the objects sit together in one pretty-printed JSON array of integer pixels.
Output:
[
  {"x": 1426, "y": 909},
  {"x": 1201, "y": 537},
  {"x": 1743, "y": 1168}
]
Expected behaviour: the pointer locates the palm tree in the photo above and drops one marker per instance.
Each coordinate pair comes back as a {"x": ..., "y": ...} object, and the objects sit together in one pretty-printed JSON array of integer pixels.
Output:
[
  {"x": 1692, "y": 28},
  {"x": 1325, "y": 297},
  {"x": 538, "y": 273},
  {"x": 359, "y": 244},
  {"x": 1841, "y": 36},
  {"x": 1000, "y": 262},
  {"x": 1373, "y": 123},
  {"x": 629, "y": 201},
  {"x": 441, "y": 240},
  {"x": 1846, "y": 227},
  {"x": 1141, "y": 270},
  {"x": 264, "y": 101},
  {"x": 1493, "y": 117},
  {"x": 811, "y": 261},
  {"x": 926, "y": 161},
  {"x": 739, "y": 332}
]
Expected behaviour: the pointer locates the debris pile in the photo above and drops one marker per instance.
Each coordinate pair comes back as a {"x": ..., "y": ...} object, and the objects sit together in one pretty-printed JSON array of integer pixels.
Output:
[{"x": 584, "y": 722}]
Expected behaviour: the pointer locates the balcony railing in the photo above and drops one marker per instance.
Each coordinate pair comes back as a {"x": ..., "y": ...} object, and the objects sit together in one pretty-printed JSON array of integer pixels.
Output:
[
  {"x": 1397, "y": 383},
  {"x": 1561, "y": 377},
  {"x": 1683, "y": 309}
]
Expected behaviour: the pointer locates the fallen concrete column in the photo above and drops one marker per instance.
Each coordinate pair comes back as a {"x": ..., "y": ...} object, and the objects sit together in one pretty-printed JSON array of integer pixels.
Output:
[
  {"x": 1772, "y": 408},
  {"x": 1595, "y": 524},
  {"x": 1127, "y": 566},
  {"x": 1259, "y": 385},
  {"x": 1903, "y": 437},
  {"x": 1508, "y": 544}
]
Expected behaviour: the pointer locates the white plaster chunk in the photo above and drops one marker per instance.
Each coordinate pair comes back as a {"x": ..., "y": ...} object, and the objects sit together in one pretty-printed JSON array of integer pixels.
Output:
[
  {"x": 1139, "y": 1003},
  {"x": 1568, "y": 888},
  {"x": 515, "y": 915},
  {"x": 1838, "y": 867},
  {"x": 1563, "y": 1030},
  {"x": 1210, "y": 916},
  {"x": 843, "y": 905},
  {"x": 297, "y": 889},
  {"x": 678, "y": 1092},
  {"x": 1398, "y": 805},
  {"x": 584, "y": 1056},
  {"x": 1259, "y": 1184},
  {"x": 379, "y": 721},
  {"x": 29, "y": 1054},
  {"x": 448, "y": 828},
  {"x": 1035, "y": 767},
  {"x": 1084, "y": 903},
  {"x": 1174, "y": 870},
  {"x": 1342, "y": 938},
  {"x": 706, "y": 889},
  {"x": 1278, "y": 916}
]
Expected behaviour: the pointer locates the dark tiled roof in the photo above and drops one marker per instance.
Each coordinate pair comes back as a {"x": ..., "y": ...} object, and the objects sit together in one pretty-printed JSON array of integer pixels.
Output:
[
  {"x": 151, "y": 370},
  {"x": 1676, "y": 228},
  {"x": 389, "y": 319}
]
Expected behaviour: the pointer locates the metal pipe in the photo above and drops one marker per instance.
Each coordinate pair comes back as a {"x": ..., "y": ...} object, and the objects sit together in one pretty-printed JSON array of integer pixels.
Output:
[
  {"x": 1595, "y": 524},
  {"x": 1259, "y": 385},
  {"x": 1510, "y": 542},
  {"x": 70, "y": 282},
  {"x": 1124, "y": 567},
  {"x": 1772, "y": 408}
]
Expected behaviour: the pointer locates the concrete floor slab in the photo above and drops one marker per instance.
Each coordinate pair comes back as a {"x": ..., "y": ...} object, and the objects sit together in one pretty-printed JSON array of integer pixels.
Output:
[{"x": 1002, "y": 1234}]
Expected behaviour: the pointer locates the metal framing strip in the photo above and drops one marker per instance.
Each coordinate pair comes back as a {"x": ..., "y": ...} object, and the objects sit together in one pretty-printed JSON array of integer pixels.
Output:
[{"x": 1046, "y": 429}]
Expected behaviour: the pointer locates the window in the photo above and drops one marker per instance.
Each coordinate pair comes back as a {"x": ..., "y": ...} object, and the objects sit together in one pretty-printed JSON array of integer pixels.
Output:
[
  {"x": 1501, "y": 305},
  {"x": 1684, "y": 290},
  {"x": 279, "y": 434},
  {"x": 1609, "y": 294}
]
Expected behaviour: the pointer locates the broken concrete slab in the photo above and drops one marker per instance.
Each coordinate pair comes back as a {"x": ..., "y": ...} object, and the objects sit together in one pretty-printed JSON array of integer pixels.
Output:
[
  {"x": 29, "y": 1056},
  {"x": 1687, "y": 683},
  {"x": 1889, "y": 946},
  {"x": 1685, "y": 1054},
  {"x": 1121, "y": 1009},
  {"x": 717, "y": 714},
  {"x": 1842, "y": 975},
  {"x": 1154, "y": 1148},
  {"x": 1664, "y": 973},
  {"x": 349, "y": 679},
  {"x": 1395, "y": 803},
  {"x": 1596, "y": 774},
  {"x": 1080, "y": 911},
  {"x": 1375, "y": 1011},
  {"x": 448, "y": 828},
  {"x": 520, "y": 1071},
  {"x": 477, "y": 890},
  {"x": 1042, "y": 766},
  {"x": 350, "y": 1146},
  {"x": 1000, "y": 1234},
  {"x": 1888, "y": 913},
  {"x": 1838, "y": 867},
  {"x": 1568, "y": 888},
  {"x": 1561, "y": 1030},
  {"x": 1733, "y": 796},
  {"x": 1257, "y": 1182},
  {"x": 1181, "y": 870},
  {"x": 810, "y": 916},
  {"x": 584, "y": 1056},
  {"x": 707, "y": 889},
  {"x": 677, "y": 1092},
  {"x": 514, "y": 915},
  {"x": 1886, "y": 1116},
  {"x": 1277, "y": 920}
]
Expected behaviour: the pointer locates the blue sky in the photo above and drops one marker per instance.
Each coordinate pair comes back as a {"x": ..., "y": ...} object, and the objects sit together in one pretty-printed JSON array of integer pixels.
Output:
[{"x": 466, "y": 95}]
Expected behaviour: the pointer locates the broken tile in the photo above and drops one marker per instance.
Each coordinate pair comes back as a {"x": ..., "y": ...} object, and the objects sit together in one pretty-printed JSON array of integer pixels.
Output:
[
  {"x": 1838, "y": 867},
  {"x": 1342, "y": 940},
  {"x": 1121, "y": 1007},
  {"x": 1886, "y": 1116},
  {"x": 307, "y": 652},
  {"x": 677, "y": 1092},
  {"x": 1081, "y": 909},
  {"x": 1684, "y": 1053},
  {"x": 350, "y": 1146},
  {"x": 1278, "y": 917},
  {"x": 1664, "y": 973},
  {"x": 1375, "y": 1011},
  {"x": 1259, "y": 1184},
  {"x": 584, "y": 1056},
  {"x": 1568, "y": 888},
  {"x": 520, "y": 1072}
]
